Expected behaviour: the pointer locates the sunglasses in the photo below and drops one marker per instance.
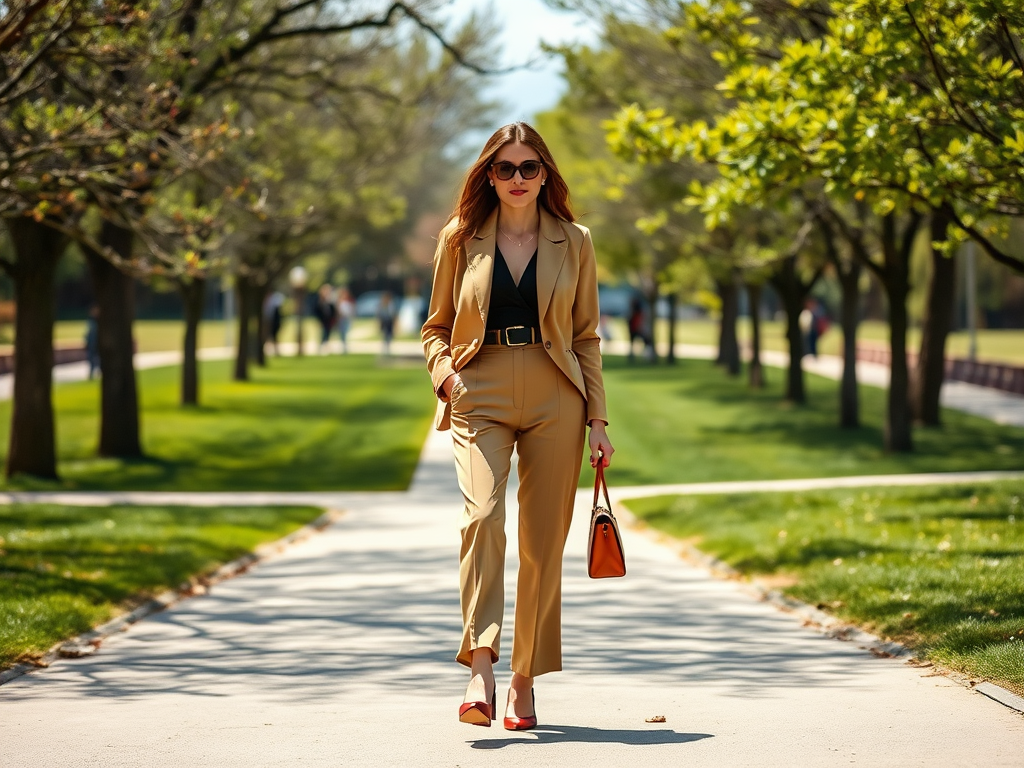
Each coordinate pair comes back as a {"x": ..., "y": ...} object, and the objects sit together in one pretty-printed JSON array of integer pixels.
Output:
[{"x": 528, "y": 170}]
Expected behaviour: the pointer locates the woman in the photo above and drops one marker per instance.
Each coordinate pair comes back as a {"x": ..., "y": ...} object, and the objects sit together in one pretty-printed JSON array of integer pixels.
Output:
[{"x": 513, "y": 352}]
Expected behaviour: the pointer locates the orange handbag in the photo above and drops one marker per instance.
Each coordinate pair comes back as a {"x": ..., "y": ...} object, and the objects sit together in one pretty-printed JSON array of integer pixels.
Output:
[{"x": 605, "y": 557}]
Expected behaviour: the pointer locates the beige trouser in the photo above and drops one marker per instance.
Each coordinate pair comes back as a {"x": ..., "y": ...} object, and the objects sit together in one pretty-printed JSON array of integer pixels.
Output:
[{"x": 516, "y": 396}]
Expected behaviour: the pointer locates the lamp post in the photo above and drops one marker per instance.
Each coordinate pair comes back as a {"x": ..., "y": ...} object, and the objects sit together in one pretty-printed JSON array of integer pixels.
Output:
[
  {"x": 971, "y": 287},
  {"x": 298, "y": 278}
]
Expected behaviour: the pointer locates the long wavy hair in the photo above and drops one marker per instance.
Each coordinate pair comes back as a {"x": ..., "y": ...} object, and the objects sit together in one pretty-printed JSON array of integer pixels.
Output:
[{"x": 477, "y": 198}]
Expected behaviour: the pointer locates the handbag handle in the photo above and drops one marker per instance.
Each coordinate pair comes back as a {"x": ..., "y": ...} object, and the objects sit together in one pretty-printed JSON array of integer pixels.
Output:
[{"x": 600, "y": 483}]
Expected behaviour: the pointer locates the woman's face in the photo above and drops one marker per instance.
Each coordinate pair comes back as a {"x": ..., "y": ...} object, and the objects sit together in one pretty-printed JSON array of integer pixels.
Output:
[{"x": 517, "y": 192}]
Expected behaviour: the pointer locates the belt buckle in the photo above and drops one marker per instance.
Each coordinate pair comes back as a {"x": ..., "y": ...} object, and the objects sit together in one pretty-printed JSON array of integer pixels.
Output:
[{"x": 515, "y": 328}]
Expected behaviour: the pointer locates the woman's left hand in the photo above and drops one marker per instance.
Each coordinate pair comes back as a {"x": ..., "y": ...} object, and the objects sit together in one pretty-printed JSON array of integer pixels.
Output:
[{"x": 599, "y": 443}]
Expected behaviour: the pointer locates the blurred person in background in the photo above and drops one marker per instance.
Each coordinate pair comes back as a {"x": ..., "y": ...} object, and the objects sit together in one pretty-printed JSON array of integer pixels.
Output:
[
  {"x": 92, "y": 341},
  {"x": 386, "y": 317},
  {"x": 272, "y": 317},
  {"x": 346, "y": 312},
  {"x": 636, "y": 323},
  {"x": 326, "y": 312}
]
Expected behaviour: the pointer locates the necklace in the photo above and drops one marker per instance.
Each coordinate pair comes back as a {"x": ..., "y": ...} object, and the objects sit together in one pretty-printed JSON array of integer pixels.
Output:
[{"x": 513, "y": 240}]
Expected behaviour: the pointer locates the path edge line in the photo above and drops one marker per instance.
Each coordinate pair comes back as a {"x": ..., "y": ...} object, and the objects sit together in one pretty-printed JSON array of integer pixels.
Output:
[
  {"x": 89, "y": 642},
  {"x": 813, "y": 617}
]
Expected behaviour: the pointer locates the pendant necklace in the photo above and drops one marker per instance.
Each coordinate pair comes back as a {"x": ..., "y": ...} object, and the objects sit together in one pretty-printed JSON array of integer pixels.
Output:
[{"x": 512, "y": 240}]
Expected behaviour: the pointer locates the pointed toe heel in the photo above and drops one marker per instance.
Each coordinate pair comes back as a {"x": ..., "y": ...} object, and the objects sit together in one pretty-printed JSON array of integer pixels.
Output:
[
  {"x": 523, "y": 723},
  {"x": 478, "y": 712}
]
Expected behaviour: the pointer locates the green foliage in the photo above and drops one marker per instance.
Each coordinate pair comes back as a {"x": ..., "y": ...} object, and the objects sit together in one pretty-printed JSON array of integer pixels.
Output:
[
  {"x": 644, "y": 237},
  {"x": 939, "y": 568},
  {"x": 894, "y": 103}
]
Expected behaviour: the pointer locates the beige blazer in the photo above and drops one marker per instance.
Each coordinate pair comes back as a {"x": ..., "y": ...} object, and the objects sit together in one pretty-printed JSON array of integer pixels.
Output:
[{"x": 566, "y": 300}]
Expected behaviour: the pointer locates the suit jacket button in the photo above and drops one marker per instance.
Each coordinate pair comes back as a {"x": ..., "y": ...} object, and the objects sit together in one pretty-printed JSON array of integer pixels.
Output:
[{"x": 547, "y": 345}]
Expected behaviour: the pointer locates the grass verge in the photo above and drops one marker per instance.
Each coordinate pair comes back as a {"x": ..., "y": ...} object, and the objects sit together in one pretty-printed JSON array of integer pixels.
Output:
[
  {"x": 692, "y": 423},
  {"x": 317, "y": 423},
  {"x": 64, "y": 570},
  {"x": 938, "y": 568}
]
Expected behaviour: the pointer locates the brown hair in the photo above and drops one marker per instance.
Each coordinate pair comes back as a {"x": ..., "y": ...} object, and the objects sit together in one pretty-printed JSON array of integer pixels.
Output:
[{"x": 477, "y": 199}]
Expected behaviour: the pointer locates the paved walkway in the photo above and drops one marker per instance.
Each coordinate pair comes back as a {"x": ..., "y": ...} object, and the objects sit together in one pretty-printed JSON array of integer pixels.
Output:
[{"x": 339, "y": 652}]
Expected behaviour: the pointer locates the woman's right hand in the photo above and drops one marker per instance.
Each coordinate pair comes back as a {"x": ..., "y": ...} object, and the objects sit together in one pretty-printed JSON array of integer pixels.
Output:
[{"x": 448, "y": 385}]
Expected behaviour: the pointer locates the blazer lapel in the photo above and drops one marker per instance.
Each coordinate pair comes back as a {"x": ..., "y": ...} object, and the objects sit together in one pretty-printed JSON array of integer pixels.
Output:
[
  {"x": 480, "y": 262},
  {"x": 551, "y": 250}
]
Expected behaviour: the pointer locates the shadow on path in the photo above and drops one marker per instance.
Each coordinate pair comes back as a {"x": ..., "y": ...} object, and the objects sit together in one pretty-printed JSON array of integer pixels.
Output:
[{"x": 563, "y": 734}]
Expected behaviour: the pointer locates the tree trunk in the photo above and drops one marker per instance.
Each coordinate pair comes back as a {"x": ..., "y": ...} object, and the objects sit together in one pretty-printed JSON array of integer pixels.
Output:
[
  {"x": 849, "y": 396},
  {"x": 245, "y": 290},
  {"x": 792, "y": 293},
  {"x": 259, "y": 302},
  {"x": 672, "y": 302},
  {"x": 115, "y": 297},
  {"x": 192, "y": 293},
  {"x": 848, "y": 271},
  {"x": 756, "y": 373},
  {"x": 32, "y": 446},
  {"x": 931, "y": 362},
  {"x": 728, "y": 346},
  {"x": 897, "y": 286}
]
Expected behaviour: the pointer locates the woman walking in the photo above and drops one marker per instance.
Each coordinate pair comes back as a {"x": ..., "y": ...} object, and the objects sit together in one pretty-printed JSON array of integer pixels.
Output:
[{"x": 512, "y": 348}]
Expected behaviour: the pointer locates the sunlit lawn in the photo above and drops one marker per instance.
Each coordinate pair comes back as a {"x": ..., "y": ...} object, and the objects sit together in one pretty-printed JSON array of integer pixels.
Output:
[
  {"x": 692, "y": 423},
  {"x": 939, "y": 568},
  {"x": 317, "y": 423},
  {"x": 64, "y": 570}
]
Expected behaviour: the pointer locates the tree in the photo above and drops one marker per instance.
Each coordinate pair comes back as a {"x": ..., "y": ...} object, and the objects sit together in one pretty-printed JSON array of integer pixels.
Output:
[
  {"x": 64, "y": 130},
  {"x": 644, "y": 237},
  {"x": 101, "y": 109},
  {"x": 863, "y": 106}
]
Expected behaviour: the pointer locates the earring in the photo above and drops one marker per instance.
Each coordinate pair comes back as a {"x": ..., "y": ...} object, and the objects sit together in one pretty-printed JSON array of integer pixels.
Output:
[
  {"x": 543, "y": 182},
  {"x": 492, "y": 182}
]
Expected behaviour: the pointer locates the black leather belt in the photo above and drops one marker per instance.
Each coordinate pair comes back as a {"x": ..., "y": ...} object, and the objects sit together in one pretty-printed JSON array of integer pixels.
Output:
[{"x": 513, "y": 336}]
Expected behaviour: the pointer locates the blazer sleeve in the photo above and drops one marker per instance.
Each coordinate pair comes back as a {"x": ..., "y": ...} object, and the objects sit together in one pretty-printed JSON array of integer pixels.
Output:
[
  {"x": 436, "y": 334},
  {"x": 586, "y": 344}
]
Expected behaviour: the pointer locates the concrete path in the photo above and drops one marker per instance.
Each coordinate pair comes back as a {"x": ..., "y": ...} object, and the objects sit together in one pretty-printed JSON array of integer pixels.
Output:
[{"x": 339, "y": 652}]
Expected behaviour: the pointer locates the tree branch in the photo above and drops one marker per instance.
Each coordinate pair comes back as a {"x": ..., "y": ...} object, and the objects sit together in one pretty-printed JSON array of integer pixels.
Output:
[
  {"x": 1017, "y": 265},
  {"x": 33, "y": 59},
  {"x": 269, "y": 32},
  {"x": 937, "y": 69}
]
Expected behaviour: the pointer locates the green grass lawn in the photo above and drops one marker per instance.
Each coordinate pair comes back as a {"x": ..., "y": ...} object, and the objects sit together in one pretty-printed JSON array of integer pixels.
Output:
[
  {"x": 939, "y": 568},
  {"x": 64, "y": 570},
  {"x": 692, "y": 423},
  {"x": 316, "y": 423}
]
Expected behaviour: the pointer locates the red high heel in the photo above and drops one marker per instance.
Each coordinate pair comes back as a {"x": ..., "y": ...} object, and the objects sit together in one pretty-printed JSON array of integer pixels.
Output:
[
  {"x": 523, "y": 723},
  {"x": 479, "y": 712}
]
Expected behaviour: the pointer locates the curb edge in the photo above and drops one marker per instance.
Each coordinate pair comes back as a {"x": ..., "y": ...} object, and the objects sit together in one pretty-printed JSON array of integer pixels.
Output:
[
  {"x": 89, "y": 642},
  {"x": 816, "y": 618}
]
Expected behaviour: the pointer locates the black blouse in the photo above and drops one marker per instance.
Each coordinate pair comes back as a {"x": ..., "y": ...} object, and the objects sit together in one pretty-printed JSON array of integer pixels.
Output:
[{"x": 513, "y": 304}]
